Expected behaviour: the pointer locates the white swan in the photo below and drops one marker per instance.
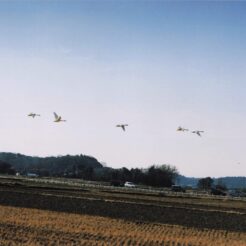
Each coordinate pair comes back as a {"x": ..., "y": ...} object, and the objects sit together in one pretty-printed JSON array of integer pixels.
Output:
[
  {"x": 33, "y": 115},
  {"x": 58, "y": 118},
  {"x": 198, "y": 133},
  {"x": 182, "y": 129},
  {"x": 123, "y": 126}
]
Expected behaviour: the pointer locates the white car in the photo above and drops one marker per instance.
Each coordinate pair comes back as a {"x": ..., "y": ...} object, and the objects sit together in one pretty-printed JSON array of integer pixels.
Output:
[{"x": 129, "y": 184}]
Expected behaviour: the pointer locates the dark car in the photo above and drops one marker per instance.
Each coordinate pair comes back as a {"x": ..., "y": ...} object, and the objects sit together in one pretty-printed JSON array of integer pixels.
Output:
[
  {"x": 116, "y": 183},
  {"x": 218, "y": 192},
  {"x": 177, "y": 188}
]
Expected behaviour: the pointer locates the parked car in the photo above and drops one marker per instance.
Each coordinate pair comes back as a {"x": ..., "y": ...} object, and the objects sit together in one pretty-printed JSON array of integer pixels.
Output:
[
  {"x": 218, "y": 192},
  {"x": 116, "y": 183},
  {"x": 177, "y": 188},
  {"x": 129, "y": 184},
  {"x": 236, "y": 193},
  {"x": 32, "y": 175}
]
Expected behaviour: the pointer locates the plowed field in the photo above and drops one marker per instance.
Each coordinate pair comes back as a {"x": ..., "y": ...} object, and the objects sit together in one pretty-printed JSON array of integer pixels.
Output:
[
  {"x": 25, "y": 226},
  {"x": 47, "y": 214}
]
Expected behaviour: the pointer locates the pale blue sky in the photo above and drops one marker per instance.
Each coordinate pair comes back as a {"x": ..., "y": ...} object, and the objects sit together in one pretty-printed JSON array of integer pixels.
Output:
[{"x": 152, "y": 64}]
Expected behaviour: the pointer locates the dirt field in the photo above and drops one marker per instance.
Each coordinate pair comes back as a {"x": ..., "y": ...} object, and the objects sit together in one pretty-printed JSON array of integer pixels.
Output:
[
  {"x": 23, "y": 226},
  {"x": 41, "y": 214}
]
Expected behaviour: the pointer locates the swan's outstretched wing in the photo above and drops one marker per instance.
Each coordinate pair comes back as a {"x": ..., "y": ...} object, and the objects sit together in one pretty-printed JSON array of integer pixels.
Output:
[{"x": 56, "y": 116}]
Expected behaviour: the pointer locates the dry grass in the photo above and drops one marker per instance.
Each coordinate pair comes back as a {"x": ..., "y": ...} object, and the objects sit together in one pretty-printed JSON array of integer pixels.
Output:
[{"x": 25, "y": 226}]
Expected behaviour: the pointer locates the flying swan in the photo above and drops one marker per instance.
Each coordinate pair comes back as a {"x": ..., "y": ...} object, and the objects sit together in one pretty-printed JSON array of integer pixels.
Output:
[
  {"x": 198, "y": 133},
  {"x": 33, "y": 115},
  {"x": 123, "y": 126},
  {"x": 58, "y": 118}
]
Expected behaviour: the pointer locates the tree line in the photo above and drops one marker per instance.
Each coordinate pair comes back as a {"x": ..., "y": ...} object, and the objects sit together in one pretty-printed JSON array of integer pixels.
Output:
[{"x": 88, "y": 168}]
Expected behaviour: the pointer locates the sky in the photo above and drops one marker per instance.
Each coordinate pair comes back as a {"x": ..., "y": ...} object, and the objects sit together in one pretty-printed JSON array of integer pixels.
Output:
[{"x": 154, "y": 65}]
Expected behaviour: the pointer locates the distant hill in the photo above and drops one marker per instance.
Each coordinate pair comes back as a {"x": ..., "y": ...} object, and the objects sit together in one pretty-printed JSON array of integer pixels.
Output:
[
  {"x": 186, "y": 181},
  {"x": 230, "y": 182},
  {"x": 49, "y": 166}
]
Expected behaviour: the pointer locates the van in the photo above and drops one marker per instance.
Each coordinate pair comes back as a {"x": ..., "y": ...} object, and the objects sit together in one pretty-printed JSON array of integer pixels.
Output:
[{"x": 129, "y": 184}]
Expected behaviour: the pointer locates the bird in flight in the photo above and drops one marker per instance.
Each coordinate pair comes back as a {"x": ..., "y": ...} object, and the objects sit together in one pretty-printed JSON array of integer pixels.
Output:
[
  {"x": 123, "y": 126},
  {"x": 198, "y": 132},
  {"x": 33, "y": 115},
  {"x": 58, "y": 118},
  {"x": 181, "y": 129}
]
